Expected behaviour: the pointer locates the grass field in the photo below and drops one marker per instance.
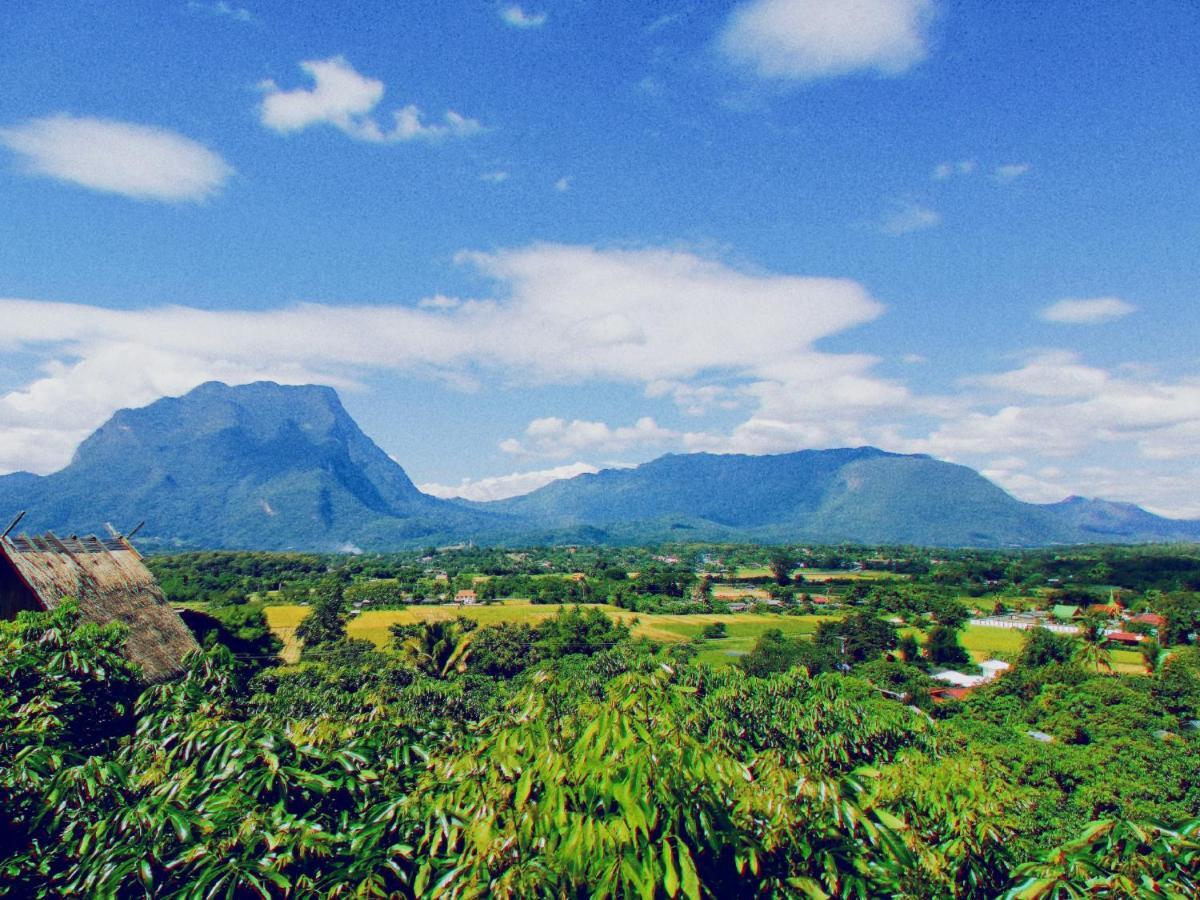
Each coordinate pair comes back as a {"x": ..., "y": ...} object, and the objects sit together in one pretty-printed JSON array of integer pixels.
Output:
[
  {"x": 817, "y": 575},
  {"x": 743, "y": 629}
]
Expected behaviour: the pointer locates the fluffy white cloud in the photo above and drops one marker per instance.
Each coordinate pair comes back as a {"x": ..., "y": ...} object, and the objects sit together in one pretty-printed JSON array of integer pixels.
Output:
[
  {"x": 554, "y": 437},
  {"x": 807, "y": 39},
  {"x": 1057, "y": 373},
  {"x": 908, "y": 217},
  {"x": 136, "y": 161},
  {"x": 514, "y": 15},
  {"x": 568, "y": 313},
  {"x": 496, "y": 177},
  {"x": 1011, "y": 172},
  {"x": 1139, "y": 431},
  {"x": 1087, "y": 311},
  {"x": 500, "y": 486},
  {"x": 563, "y": 184},
  {"x": 343, "y": 98}
]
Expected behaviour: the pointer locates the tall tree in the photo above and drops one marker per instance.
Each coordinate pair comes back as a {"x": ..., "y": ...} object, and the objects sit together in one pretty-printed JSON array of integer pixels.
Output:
[
  {"x": 1092, "y": 653},
  {"x": 326, "y": 624},
  {"x": 781, "y": 563}
]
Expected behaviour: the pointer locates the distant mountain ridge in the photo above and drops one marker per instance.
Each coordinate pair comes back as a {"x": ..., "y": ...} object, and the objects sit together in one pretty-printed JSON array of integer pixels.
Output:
[
  {"x": 861, "y": 494},
  {"x": 261, "y": 466},
  {"x": 265, "y": 466}
]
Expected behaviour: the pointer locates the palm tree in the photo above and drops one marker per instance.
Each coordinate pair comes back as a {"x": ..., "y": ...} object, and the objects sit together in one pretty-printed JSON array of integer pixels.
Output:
[
  {"x": 437, "y": 648},
  {"x": 1152, "y": 654},
  {"x": 1092, "y": 653}
]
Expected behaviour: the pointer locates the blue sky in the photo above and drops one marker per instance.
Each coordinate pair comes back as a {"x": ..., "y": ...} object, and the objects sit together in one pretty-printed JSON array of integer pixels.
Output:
[{"x": 528, "y": 240}]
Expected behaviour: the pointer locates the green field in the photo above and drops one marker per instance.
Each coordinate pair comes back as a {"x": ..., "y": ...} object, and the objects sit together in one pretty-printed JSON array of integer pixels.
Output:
[
  {"x": 744, "y": 629},
  {"x": 817, "y": 575}
]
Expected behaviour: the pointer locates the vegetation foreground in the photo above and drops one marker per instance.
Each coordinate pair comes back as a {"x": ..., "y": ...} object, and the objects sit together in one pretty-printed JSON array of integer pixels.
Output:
[
  {"x": 605, "y": 767},
  {"x": 616, "y": 735}
]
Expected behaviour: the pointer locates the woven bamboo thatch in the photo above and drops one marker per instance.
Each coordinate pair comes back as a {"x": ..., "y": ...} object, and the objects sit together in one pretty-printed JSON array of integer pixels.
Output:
[{"x": 110, "y": 582}]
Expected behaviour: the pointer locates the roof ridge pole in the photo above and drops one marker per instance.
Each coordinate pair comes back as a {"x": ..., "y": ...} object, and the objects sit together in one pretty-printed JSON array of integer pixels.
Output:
[{"x": 13, "y": 524}]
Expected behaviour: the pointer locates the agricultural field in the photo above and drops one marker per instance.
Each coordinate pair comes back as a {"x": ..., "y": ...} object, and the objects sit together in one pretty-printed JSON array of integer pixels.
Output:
[
  {"x": 743, "y": 628},
  {"x": 818, "y": 575}
]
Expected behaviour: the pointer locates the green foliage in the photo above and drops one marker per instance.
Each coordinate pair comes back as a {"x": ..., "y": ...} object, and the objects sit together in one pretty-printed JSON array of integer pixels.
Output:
[
  {"x": 781, "y": 563},
  {"x": 578, "y": 630},
  {"x": 943, "y": 649},
  {"x": 435, "y": 648},
  {"x": 713, "y": 631},
  {"x": 326, "y": 624},
  {"x": 1042, "y": 647},
  {"x": 388, "y": 593},
  {"x": 242, "y": 628},
  {"x": 1116, "y": 858},
  {"x": 775, "y": 652},
  {"x": 1091, "y": 652},
  {"x": 856, "y": 638},
  {"x": 66, "y": 693},
  {"x": 503, "y": 650},
  {"x": 567, "y": 759},
  {"x": 909, "y": 649}
]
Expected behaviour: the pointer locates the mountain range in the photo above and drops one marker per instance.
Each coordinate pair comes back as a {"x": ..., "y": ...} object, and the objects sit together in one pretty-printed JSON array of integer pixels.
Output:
[{"x": 272, "y": 467}]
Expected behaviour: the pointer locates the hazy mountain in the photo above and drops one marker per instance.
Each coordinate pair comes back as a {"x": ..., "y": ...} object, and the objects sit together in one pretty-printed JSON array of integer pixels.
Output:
[
  {"x": 257, "y": 466},
  {"x": 1105, "y": 520},
  {"x": 861, "y": 494},
  {"x": 270, "y": 467}
]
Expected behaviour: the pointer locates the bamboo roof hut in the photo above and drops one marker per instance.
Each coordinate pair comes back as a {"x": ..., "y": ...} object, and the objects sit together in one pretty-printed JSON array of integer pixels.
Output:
[{"x": 108, "y": 579}]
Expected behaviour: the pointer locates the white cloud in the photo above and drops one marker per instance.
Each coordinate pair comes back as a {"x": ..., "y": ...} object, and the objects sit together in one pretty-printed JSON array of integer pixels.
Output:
[
  {"x": 563, "y": 184},
  {"x": 439, "y": 302},
  {"x": 945, "y": 170},
  {"x": 514, "y": 15},
  {"x": 808, "y": 39},
  {"x": 568, "y": 314},
  {"x": 343, "y": 98},
  {"x": 497, "y": 177},
  {"x": 914, "y": 359},
  {"x": 908, "y": 217},
  {"x": 1056, "y": 407},
  {"x": 696, "y": 399},
  {"x": 222, "y": 9},
  {"x": 1011, "y": 172},
  {"x": 136, "y": 161},
  {"x": 555, "y": 437},
  {"x": 501, "y": 486},
  {"x": 1090, "y": 311},
  {"x": 1056, "y": 373}
]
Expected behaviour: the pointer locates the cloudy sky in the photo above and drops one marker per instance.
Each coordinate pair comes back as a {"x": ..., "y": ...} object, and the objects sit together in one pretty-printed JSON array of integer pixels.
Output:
[{"x": 525, "y": 241}]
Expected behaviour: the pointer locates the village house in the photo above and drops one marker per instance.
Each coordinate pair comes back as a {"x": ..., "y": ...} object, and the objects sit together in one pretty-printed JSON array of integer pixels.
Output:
[
  {"x": 961, "y": 684},
  {"x": 1124, "y": 637},
  {"x": 1065, "y": 612},
  {"x": 466, "y": 597},
  {"x": 1153, "y": 620},
  {"x": 109, "y": 581}
]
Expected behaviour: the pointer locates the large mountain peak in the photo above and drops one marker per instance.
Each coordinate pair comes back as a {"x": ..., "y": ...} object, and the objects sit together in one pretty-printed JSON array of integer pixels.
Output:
[{"x": 254, "y": 465}]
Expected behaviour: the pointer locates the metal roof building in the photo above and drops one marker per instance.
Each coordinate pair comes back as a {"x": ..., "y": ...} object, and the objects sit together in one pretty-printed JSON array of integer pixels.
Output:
[{"x": 108, "y": 579}]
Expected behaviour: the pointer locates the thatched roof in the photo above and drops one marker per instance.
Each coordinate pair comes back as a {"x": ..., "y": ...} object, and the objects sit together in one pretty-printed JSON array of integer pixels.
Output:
[{"x": 111, "y": 583}]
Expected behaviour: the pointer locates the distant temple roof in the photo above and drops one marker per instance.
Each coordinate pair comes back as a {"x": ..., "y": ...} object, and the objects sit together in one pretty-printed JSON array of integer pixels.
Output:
[{"x": 108, "y": 579}]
